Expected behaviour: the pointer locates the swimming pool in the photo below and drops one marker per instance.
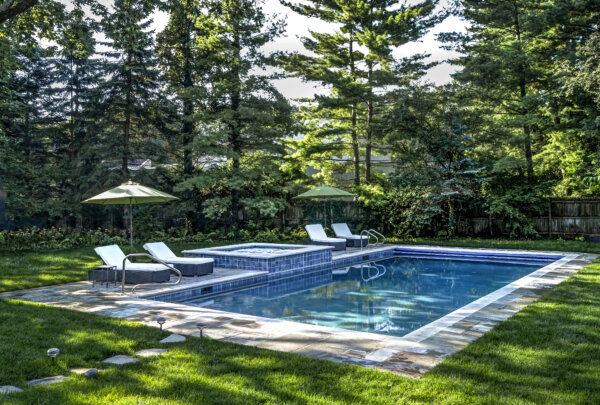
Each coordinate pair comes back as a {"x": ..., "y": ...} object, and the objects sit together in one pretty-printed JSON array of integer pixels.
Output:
[{"x": 393, "y": 296}]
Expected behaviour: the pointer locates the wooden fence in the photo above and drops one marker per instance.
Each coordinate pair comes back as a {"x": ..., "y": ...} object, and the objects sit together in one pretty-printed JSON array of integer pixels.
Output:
[{"x": 567, "y": 217}]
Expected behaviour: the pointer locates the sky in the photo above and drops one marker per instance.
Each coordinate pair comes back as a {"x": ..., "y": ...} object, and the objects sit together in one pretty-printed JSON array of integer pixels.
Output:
[{"x": 298, "y": 26}]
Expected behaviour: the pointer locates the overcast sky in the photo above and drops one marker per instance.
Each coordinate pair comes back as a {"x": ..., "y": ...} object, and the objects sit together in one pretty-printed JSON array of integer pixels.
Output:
[{"x": 297, "y": 26}]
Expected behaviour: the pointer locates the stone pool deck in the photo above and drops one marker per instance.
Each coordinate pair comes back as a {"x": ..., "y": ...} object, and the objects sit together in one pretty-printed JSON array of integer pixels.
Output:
[{"x": 411, "y": 355}]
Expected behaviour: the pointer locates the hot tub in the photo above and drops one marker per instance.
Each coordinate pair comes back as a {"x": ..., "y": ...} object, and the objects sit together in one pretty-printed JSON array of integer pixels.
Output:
[{"x": 277, "y": 259}]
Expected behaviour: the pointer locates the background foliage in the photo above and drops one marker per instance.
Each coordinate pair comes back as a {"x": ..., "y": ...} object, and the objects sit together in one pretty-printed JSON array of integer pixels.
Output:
[{"x": 90, "y": 97}]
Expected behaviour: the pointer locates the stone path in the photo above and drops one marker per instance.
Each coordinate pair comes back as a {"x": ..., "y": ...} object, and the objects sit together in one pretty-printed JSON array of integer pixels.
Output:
[
  {"x": 411, "y": 355},
  {"x": 174, "y": 338},
  {"x": 120, "y": 360},
  {"x": 9, "y": 389},
  {"x": 47, "y": 380}
]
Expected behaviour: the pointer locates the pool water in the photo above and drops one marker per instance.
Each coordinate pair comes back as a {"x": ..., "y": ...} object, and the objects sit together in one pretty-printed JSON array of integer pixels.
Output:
[
  {"x": 394, "y": 296},
  {"x": 261, "y": 250}
]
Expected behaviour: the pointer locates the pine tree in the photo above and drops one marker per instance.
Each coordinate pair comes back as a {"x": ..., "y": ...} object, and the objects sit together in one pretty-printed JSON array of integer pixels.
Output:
[
  {"x": 504, "y": 66},
  {"x": 183, "y": 68},
  {"x": 356, "y": 62},
  {"x": 128, "y": 95},
  {"x": 242, "y": 114},
  {"x": 72, "y": 108}
]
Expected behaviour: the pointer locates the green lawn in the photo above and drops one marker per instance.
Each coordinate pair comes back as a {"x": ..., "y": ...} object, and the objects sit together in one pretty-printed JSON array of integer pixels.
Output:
[
  {"x": 19, "y": 270},
  {"x": 547, "y": 353}
]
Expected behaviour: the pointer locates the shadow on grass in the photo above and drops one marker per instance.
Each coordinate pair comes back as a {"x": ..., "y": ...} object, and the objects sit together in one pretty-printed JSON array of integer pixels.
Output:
[
  {"x": 30, "y": 270},
  {"x": 547, "y": 353}
]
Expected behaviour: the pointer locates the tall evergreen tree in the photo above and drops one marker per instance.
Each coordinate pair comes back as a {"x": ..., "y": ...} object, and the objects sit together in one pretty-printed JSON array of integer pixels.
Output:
[
  {"x": 242, "y": 113},
  {"x": 357, "y": 63},
  {"x": 128, "y": 94},
  {"x": 504, "y": 66},
  {"x": 183, "y": 69},
  {"x": 72, "y": 108}
]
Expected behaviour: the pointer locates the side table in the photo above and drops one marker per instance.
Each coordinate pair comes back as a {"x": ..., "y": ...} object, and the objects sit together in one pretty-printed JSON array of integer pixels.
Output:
[{"x": 106, "y": 269}]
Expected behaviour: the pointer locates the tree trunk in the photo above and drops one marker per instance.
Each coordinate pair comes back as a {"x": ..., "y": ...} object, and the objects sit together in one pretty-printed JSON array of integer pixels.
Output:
[
  {"x": 369, "y": 137},
  {"x": 127, "y": 122},
  {"x": 353, "y": 133},
  {"x": 451, "y": 218},
  {"x": 234, "y": 137},
  {"x": 523, "y": 91},
  {"x": 188, "y": 109},
  {"x": 12, "y": 8}
]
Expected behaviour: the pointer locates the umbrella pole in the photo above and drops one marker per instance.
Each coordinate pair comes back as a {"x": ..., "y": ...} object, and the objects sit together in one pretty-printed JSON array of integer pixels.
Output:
[{"x": 324, "y": 214}]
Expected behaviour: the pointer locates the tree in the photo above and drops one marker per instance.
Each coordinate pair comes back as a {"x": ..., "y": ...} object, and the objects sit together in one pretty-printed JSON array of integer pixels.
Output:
[
  {"x": 183, "y": 68},
  {"x": 357, "y": 64},
  {"x": 128, "y": 94},
  {"x": 433, "y": 150},
  {"x": 504, "y": 69},
  {"x": 77, "y": 76},
  {"x": 12, "y": 8},
  {"x": 242, "y": 114}
]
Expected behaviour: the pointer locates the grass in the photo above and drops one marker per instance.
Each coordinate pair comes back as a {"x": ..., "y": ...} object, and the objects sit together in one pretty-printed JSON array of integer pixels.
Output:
[
  {"x": 547, "y": 353},
  {"x": 21, "y": 270},
  {"x": 36, "y": 269}
]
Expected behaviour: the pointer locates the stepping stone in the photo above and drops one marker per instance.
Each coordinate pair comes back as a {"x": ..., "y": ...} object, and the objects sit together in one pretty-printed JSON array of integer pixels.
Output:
[
  {"x": 9, "y": 389},
  {"x": 150, "y": 352},
  {"x": 81, "y": 371},
  {"x": 173, "y": 339},
  {"x": 120, "y": 360},
  {"x": 47, "y": 380}
]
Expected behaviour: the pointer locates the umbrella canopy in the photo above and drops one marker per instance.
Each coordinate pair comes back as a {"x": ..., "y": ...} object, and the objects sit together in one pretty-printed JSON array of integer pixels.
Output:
[
  {"x": 324, "y": 192},
  {"x": 130, "y": 193}
]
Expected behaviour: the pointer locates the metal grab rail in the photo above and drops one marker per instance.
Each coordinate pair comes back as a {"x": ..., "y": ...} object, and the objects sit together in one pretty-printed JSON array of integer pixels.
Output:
[
  {"x": 378, "y": 234},
  {"x": 148, "y": 284},
  {"x": 369, "y": 235}
]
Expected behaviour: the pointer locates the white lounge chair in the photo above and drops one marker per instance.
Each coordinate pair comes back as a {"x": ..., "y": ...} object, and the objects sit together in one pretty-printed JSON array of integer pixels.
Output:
[
  {"x": 137, "y": 273},
  {"x": 343, "y": 231},
  {"x": 317, "y": 236},
  {"x": 188, "y": 266}
]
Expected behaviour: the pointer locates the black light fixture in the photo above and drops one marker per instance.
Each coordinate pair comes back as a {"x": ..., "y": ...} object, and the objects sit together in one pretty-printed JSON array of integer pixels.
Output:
[
  {"x": 161, "y": 320},
  {"x": 53, "y": 352}
]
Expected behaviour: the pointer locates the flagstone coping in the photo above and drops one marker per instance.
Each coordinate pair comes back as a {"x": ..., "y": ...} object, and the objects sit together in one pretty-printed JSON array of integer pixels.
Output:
[
  {"x": 120, "y": 360},
  {"x": 410, "y": 355},
  {"x": 9, "y": 389}
]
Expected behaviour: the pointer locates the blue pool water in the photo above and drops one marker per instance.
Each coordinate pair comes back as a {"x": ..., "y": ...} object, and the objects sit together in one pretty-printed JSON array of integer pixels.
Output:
[{"x": 393, "y": 296}]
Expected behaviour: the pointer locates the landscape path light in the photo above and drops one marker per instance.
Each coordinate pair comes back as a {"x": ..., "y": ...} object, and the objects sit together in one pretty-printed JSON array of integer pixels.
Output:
[{"x": 53, "y": 352}]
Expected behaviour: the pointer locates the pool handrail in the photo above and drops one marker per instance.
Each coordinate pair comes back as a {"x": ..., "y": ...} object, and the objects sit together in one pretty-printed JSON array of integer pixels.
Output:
[
  {"x": 369, "y": 234},
  {"x": 146, "y": 284},
  {"x": 379, "y": 234}
]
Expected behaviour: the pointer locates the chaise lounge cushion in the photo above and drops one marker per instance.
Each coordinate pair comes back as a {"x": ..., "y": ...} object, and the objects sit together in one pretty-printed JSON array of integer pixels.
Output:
[
  {"x": 317, "y": 236},
  {"x": 343, "y": 231},
  {"x": 136, "y": 272},
  {"x": 188, "y": 266}
]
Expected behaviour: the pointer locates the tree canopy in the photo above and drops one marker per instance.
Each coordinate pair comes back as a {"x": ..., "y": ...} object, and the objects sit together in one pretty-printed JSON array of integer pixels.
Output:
[{"x": 90, "y": 97}]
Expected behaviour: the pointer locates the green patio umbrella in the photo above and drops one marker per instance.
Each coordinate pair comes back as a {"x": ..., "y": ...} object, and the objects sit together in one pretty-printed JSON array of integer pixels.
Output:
[
  {"x": 324, "y": 192},
  {"x": 130, "y": 193}
]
